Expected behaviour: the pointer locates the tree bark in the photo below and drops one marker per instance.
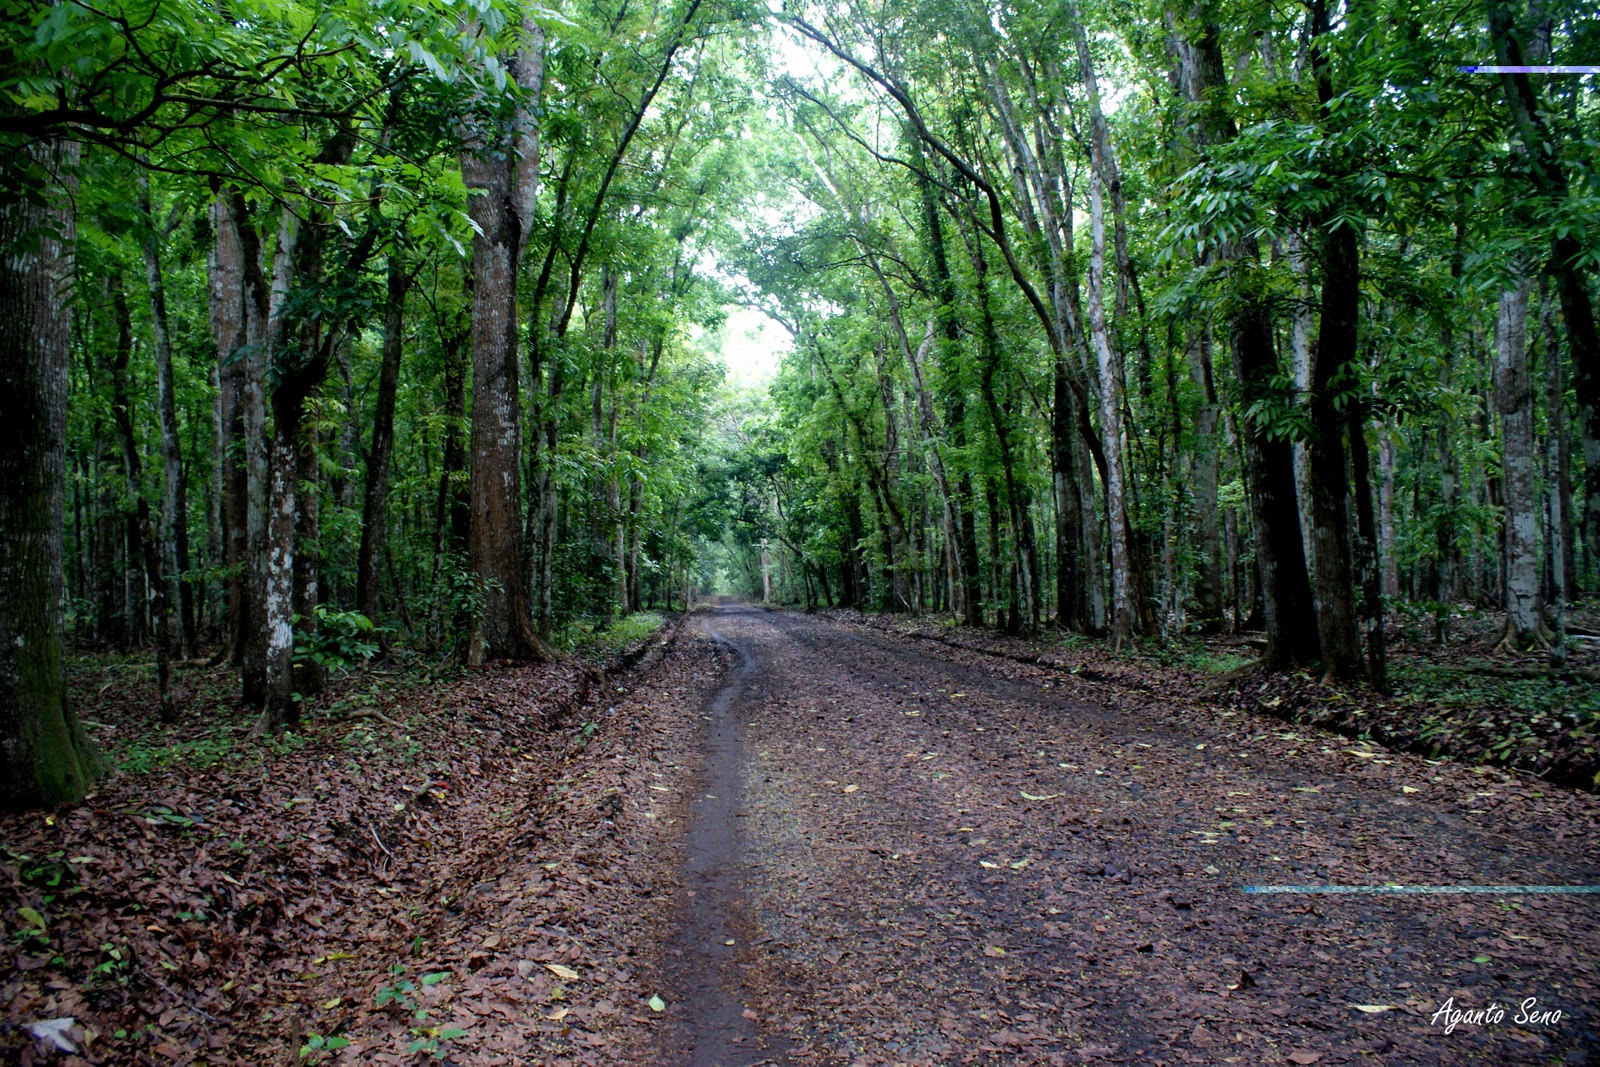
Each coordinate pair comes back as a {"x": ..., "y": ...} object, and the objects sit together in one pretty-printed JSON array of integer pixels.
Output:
[
  {"x": 228, "y": 318},
  {"x": 961, "y": 503},
  {"x": 1332, "y": 380},
  {"x": 500, "y": 166},
  {"x": 1122, "y": 601},
  {"x": 1332, "y": 376},
  {"x": 174, "y": 498},
  {"x": 375, "y": 503},
  {"x": 45, "y": 756},
  {"x": 1208, "y": 579},
  {"x": 1513, "y": 389},
  {"x": 142, "y": 535},
  {"x": 1368, "y": 556},
  {"x": 1537, "y": 148},
  {"x": 1285, "y": 588}
]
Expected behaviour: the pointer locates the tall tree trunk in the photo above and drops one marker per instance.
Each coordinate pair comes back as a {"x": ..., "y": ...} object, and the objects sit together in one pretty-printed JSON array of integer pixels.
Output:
[
  {"x": 228, "y": 318},
  {"x": 964, "y": 527},
  {"x": 1444, "y": 584},
  {"x": 142, "y": 536},
  {"x": 174, "y": 498},
  {"x": 45, "y": 756},
  {"x": 605, "y": 504},
  {"x": 260, "y": 298},
  {"x": 1285, "y": 588},
  {"x": 1538, "y": 149},
  {"x": 1208, "y": 579},
  {"x": 502, "y": 166},
  {"x": 1368, "y": 560},
  {"x": 375, "y": 503},
  {"x": 1558, "y": 489},
  {"x": 1333, "y": 376},
  {"x": 1513, "y": 388},
  {"x": 1122, "y": 600},
  {"x": 1386, "y": 523},
  {"x": 1303, "y": 320}
]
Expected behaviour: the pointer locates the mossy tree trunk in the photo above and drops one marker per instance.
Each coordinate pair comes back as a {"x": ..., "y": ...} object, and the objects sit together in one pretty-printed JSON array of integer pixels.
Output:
[{"x": 45, "y": 758}]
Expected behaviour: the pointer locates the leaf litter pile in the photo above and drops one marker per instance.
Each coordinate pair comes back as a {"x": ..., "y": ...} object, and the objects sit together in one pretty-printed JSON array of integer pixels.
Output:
[
  {"x": 936, "y": 855},
  {"x": 463, "y": 886}
]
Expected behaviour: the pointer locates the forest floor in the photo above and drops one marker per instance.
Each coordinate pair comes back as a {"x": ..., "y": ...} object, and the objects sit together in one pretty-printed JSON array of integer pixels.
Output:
[
  {"x": 789, "y": 839},
  {"x": 1460, "y": 697}
]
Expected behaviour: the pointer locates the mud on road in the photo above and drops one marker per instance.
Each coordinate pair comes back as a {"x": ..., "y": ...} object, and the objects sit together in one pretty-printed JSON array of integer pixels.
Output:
[{"x": 931, "y": 856}]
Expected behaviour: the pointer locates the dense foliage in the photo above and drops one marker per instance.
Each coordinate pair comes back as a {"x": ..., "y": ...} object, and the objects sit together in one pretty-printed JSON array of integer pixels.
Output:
[{"x": 353, "y": 326}]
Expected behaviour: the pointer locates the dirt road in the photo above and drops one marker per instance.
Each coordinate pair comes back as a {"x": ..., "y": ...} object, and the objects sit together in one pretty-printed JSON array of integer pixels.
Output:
[{"x": 899, "y": 854}]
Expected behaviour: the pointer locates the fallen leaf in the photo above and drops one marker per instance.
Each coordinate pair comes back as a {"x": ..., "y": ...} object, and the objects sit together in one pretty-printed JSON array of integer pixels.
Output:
[
  {"x": 657, "y": 1004},
  {"x": 562, "y": 971},
  {"x": 989, "y": 866},
  {"x": 1374, "y": 1009},
  {"x": 559, "y": 1014},
  {"x": 1304, "y": 1056},
  {"x": 1048, "y": 796},
  {"x": 852, "y": 788},
  {"x": 994, "y": 952}
]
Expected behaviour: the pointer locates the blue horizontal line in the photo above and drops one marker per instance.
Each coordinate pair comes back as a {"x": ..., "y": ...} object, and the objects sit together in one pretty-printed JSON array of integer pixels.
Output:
[
  {"x": 1481, "y": 69},
  {"x": 1512, "y": 889}
]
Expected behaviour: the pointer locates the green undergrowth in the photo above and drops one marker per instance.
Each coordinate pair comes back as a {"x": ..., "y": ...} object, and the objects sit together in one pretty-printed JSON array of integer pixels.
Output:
[
  {"x": 1453, "y": 687},
  {"x": 1184, "y": 653},
  {"x": 619, "y": 634}
]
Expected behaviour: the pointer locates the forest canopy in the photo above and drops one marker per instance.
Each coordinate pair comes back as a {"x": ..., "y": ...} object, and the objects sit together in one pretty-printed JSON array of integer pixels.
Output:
[{"x": 349, "y": 329}]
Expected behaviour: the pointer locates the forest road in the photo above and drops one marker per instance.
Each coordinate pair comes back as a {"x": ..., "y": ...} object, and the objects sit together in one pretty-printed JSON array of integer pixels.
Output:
[{"x": 925, "y": 855}]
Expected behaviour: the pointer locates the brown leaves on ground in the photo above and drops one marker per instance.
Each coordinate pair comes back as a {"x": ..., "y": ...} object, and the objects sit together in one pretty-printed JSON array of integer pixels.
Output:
[{"x": 236, "y": 913}]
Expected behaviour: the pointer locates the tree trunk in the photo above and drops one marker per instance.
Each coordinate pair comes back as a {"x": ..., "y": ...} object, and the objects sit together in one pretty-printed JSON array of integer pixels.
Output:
[
  {"x": 1285, "y": 588},
  {"x": 174, "y": 498},
  {"x": 1368, "y": 557},
  {"x": 1122, "y": 601},
  {"x": 228, "y": 318},
  {"x": 502, "y": 164},
  {"x": 1332, "y": 375},
  {"x": 375, "y": 503},
  {"x": 1208, "y": 579},
  {"x": 1332, "y": 380},
  {"x": 261, "y": 299},
  {"x": 142, "y": 536},
  {"x": 1558, "y": 491},
  {"x": 1513, "y": 388},
  {"x": 1538, "y": 148},
  {"x": 45, "y": 757},
  {"x": 963, "y": 525}
]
